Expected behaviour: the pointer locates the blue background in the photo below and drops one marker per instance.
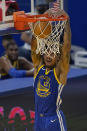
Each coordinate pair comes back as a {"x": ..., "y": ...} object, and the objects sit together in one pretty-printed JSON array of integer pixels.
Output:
[{"x": 77, "y": 11}]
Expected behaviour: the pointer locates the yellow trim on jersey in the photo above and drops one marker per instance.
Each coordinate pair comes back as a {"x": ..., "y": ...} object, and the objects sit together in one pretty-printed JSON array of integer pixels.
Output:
[
  {"x": 47, "y": 72},
  {"x": 3, "y": 74},
  {"x": 15, "y": 64},
  {"x": 56, "y": 76},
  {"x": 38, "y": 71}
]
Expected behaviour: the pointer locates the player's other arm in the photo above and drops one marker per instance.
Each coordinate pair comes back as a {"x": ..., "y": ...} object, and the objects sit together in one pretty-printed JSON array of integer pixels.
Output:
[
  {"x": 62, "y": 68},
  {"x": 9, "y": 69},
  {"x": 65, "y": 57},
  {"x": 36, "y": 58},
  {"x": 67, "y": 39}
]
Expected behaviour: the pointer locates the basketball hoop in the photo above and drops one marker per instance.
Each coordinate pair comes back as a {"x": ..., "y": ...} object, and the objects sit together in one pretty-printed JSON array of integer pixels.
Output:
[{"x": 48, "y": 36}]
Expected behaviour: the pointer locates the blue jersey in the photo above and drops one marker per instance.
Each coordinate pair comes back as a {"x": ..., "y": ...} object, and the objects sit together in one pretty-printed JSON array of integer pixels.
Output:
[{"x": 46, "y": 91}]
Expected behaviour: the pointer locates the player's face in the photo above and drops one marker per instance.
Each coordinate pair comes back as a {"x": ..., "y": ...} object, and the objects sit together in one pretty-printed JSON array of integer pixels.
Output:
[
  {"x": 12, "y": 52},
  {"x": 50, "y": 60}
]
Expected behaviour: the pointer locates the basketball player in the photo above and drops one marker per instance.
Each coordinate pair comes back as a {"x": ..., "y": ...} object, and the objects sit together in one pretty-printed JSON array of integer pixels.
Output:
[
  {"x": 50, "y": 77},
  {"x": 13, "y": 66}
]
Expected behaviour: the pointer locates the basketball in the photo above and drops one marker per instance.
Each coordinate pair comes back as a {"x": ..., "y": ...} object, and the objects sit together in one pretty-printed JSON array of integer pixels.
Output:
[{"x": 42, "y": 29}]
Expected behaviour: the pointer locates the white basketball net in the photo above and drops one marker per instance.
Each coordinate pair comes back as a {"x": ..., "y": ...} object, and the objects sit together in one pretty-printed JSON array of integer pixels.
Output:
[{"x": 50, "y": 44}]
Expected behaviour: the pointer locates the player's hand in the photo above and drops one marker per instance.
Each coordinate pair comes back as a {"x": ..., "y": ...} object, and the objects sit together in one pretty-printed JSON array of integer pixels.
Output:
[
  {"x": 58, "y": 13},
  {"x": 5, "y": 64}
]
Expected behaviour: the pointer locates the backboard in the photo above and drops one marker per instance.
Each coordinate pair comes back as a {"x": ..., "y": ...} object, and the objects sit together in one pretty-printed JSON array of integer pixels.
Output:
[
  {"x": 6, "y": 21},
  {"x": 7, "y": 7}
]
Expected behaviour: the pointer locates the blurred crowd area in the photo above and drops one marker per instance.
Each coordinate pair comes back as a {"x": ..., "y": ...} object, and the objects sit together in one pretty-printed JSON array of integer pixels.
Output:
[
  {"x": 24, "y": 49},
  {"x": 78, "y": 56}
]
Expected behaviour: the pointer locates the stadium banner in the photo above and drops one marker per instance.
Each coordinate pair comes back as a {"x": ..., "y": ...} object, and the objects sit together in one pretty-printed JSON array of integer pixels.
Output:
[{"x": 17, "y": 112}]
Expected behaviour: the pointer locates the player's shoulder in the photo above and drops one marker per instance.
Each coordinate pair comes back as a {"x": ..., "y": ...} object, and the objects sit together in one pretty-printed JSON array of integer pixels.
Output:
[{"x": 37, "y": 70}]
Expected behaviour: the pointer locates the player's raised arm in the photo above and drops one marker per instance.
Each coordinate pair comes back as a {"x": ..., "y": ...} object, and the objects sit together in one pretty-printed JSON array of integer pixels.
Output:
[
  {"x": 36, "y": 58},
  {"x": 67, "y": 38},
  {"x": 65, "y": 54}
]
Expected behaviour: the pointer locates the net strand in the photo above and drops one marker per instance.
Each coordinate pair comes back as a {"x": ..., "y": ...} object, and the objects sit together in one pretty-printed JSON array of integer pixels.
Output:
[{"x": 51, "y": 42}]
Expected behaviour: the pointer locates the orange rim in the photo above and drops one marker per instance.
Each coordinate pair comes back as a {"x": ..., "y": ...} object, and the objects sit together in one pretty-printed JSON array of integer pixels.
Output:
[
  {"x": 45, "y": 17},
  {"x": 21, "y": 16}
]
